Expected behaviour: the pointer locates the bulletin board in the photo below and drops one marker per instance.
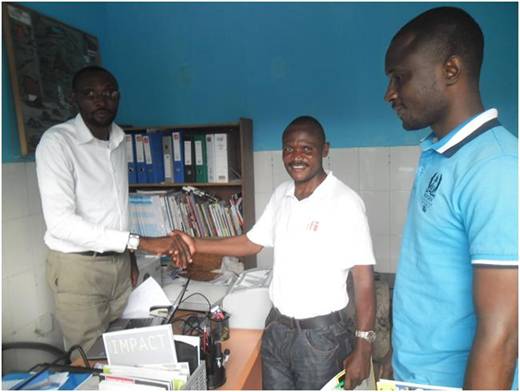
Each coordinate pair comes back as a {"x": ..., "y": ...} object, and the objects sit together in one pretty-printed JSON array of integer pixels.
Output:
[{"x": 43, "y": 56}]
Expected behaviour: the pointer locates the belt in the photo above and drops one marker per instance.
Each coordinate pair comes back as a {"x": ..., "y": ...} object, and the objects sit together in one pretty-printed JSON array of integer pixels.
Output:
[
  {"x": 91, "y": 253},
  {"x": 308, "y": 323}
]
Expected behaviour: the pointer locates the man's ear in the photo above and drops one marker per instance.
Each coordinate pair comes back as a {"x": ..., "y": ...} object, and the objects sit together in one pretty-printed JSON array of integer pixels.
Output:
[
  {"x": 452, "y": 70},
  {"x": 325, "y": 149}
]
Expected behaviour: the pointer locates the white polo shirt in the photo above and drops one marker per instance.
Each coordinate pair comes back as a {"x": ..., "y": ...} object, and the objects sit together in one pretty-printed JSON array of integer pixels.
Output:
[
  {"x": 83, "y": 185},
  {"x": 316, "y": 241}
]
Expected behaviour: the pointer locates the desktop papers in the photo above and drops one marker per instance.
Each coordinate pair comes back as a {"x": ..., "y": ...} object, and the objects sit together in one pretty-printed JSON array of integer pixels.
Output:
[{"x": 147, "y": 294}]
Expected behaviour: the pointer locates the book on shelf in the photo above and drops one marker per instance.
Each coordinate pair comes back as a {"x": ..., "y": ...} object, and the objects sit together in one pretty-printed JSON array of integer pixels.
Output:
[
  {"x": 195, "y": 212},
  {"x": 167, "y": 148},
  {"x": 221, "y": 164},
  {"x": 140, "y": 159},
  {"x": 148, "y": 159},
  {"x": 156, "y": 171},
  {"x": 178, "y": 157},
  {"x": 130, "y": 157},
  {"x": 189, "y": 161},
  {"x": 201, "y": 160},
  {"x": 210, "y": 156}
]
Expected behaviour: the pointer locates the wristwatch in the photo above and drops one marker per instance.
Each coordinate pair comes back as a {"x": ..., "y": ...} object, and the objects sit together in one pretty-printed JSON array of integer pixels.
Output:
[
  {"x": 133, "y": 242},
  {"x": 369, "y": 336}
]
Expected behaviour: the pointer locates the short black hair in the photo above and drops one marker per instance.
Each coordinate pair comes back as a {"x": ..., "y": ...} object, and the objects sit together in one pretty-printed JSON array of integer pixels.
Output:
[
  {"x": 449, "y": 31},
  {"x": 309, "y": 122},
  {"x": 87, "y": 70}
]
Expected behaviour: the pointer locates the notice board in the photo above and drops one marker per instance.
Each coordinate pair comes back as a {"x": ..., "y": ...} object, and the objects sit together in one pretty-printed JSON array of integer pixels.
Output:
[{"x": 43, "y": 55}]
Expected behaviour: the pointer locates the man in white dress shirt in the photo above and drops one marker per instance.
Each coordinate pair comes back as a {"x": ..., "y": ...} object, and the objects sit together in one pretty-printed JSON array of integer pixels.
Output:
[
  {"x": 319, "y": 231},
  {"x": 82, "y": 175}
]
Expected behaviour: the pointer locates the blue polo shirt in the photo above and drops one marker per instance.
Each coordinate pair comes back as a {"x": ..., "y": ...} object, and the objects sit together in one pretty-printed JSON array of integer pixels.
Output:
[{"x": 462, "y": 212}]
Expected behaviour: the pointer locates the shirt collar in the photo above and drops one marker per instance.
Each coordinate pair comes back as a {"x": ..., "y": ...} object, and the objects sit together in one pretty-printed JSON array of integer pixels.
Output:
[
  {"x": 83, "y": 134},
  {"x": 321, "y": 188},
  {"x": 462, "y": 134}
]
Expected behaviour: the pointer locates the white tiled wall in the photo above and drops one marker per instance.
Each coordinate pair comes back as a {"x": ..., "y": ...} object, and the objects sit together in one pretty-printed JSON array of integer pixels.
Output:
[
  {"x": 27, "y": 304},
  {"x": 382, "y": 176}
]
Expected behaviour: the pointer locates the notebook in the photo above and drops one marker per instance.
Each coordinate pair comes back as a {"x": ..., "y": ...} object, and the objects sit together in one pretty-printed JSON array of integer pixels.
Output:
[{"x": 97, "y": 351}]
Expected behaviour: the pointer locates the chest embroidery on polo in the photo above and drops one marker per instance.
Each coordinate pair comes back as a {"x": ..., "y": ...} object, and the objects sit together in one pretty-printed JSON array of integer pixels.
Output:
[
  {"x": 313, "y": 226},
  {"x": 431, "y": 191}
]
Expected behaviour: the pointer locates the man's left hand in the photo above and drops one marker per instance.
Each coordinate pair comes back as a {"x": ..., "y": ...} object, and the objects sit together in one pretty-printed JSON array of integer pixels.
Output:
[{"x": 357, "y": 367}]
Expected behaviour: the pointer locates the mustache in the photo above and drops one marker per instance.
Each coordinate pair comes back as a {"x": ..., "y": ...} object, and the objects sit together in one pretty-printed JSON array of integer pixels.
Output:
[{"x": 103, "y": 110}]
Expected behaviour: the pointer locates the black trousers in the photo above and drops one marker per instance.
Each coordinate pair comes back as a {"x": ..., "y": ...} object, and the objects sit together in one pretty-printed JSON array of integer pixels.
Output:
[{"x": 296, "y": 358}]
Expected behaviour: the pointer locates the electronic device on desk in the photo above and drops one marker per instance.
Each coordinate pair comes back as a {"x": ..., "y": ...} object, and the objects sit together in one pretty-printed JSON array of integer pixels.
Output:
[
  {"x": 97, "y": 351},
  {"x": 251, "y": 288},
  {"x": 200, "y": 296}
]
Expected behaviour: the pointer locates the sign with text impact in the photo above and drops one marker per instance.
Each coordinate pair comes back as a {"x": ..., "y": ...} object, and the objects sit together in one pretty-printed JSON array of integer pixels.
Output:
[{"x": 141, "y": 346}]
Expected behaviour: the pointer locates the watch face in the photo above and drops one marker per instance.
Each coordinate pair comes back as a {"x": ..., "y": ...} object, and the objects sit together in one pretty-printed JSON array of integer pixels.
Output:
[
  {"x": 369, "y": 336},
  {"x": 133, "y": 242}
]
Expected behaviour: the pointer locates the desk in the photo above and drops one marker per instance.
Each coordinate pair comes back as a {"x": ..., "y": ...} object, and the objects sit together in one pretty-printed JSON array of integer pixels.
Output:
[{"x": 244, "y": 367}]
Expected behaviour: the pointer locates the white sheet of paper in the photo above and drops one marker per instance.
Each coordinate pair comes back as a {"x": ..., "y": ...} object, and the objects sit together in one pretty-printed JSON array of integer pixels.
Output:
[{"x": 147, "y": 294}]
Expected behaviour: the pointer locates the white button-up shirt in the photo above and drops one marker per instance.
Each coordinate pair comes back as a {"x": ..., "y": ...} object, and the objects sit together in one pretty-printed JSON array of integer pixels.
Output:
[{"x": 83, "y": 185}]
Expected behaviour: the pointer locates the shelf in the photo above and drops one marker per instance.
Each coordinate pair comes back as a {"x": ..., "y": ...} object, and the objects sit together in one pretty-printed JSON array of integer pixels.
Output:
[
  {"x": 240, "y": 150},
  {"x": 193, "y": 184}
]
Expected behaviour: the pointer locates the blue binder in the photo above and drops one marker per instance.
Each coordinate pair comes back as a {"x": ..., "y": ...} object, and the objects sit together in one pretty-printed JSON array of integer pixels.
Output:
[
  {"x": 156, "y": 171},
  {"x": 178, "y": 156},
  {"x": 140, "y": 163},
  {"x": 130, "y": 156}
]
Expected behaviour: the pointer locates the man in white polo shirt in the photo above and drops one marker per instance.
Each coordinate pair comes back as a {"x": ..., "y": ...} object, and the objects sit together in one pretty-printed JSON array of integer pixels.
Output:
[
  {"x": 82, "y": 176},
  {"x": 319, "y": 231}
]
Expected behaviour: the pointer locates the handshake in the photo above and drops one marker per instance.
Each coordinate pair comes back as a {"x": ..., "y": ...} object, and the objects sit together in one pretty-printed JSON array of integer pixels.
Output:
[{"x": 178, "y": 245}]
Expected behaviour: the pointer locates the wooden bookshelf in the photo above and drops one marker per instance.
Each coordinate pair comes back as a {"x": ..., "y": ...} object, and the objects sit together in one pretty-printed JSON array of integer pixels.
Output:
[{"x": 240, "y": 146}]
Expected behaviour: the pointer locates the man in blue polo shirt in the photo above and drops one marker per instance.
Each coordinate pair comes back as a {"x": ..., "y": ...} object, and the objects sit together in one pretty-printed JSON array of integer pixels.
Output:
[{"x": 455, "y": 314}]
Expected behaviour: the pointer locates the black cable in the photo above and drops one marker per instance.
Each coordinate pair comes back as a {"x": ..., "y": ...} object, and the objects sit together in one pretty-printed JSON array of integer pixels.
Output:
[
  {"x": 178, "y": 302},
  {"x": 81, "y": 353},
  {"x": 34, "y": 346},
  {"x": 203, "y": 296}
]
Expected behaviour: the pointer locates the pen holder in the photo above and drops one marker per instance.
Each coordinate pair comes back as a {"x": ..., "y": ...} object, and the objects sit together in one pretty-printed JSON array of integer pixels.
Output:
[{"x": 219, "y": 325}]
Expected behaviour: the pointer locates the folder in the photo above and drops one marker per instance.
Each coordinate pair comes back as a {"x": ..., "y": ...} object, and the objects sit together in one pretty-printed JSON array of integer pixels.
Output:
[
  {"x": 178, "y": 157},
  {"x": 221, "y": 157},
  {"x": 140, "y": 159},
  {"x": 210, "y": 155},
  {"x": 130, "y": 156},
  {"x": 148, "y": 159},
  {"x": 157, "y": 171},
  {"x": 167, "y": 146},
  {"x": 201, "y": 167},
  {"x": 189, "y": 161}
]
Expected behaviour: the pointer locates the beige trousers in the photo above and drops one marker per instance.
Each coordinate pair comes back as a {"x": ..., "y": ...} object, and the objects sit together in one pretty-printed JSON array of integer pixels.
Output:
[{"x": 89, "y": 293}]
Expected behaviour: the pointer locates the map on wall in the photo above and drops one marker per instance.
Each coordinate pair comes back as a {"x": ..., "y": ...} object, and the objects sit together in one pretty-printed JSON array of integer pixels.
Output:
[{"x": 43, "y": 56}]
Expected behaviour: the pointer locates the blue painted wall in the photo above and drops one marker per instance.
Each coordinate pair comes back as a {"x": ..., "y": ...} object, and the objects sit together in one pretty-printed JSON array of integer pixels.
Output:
[{"x": 214, "y": 62}]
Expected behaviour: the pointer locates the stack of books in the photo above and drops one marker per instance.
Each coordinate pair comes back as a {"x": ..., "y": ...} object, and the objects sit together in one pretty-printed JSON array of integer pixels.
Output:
[
  {"x": 191, "y": 210},
  {"x": 158, "y": 156},
  {"x": 146, "y": 378}
]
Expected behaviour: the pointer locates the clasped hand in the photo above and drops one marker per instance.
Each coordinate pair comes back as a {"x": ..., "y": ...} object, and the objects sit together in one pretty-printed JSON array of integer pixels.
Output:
[{"x": 179, "y": 246}]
